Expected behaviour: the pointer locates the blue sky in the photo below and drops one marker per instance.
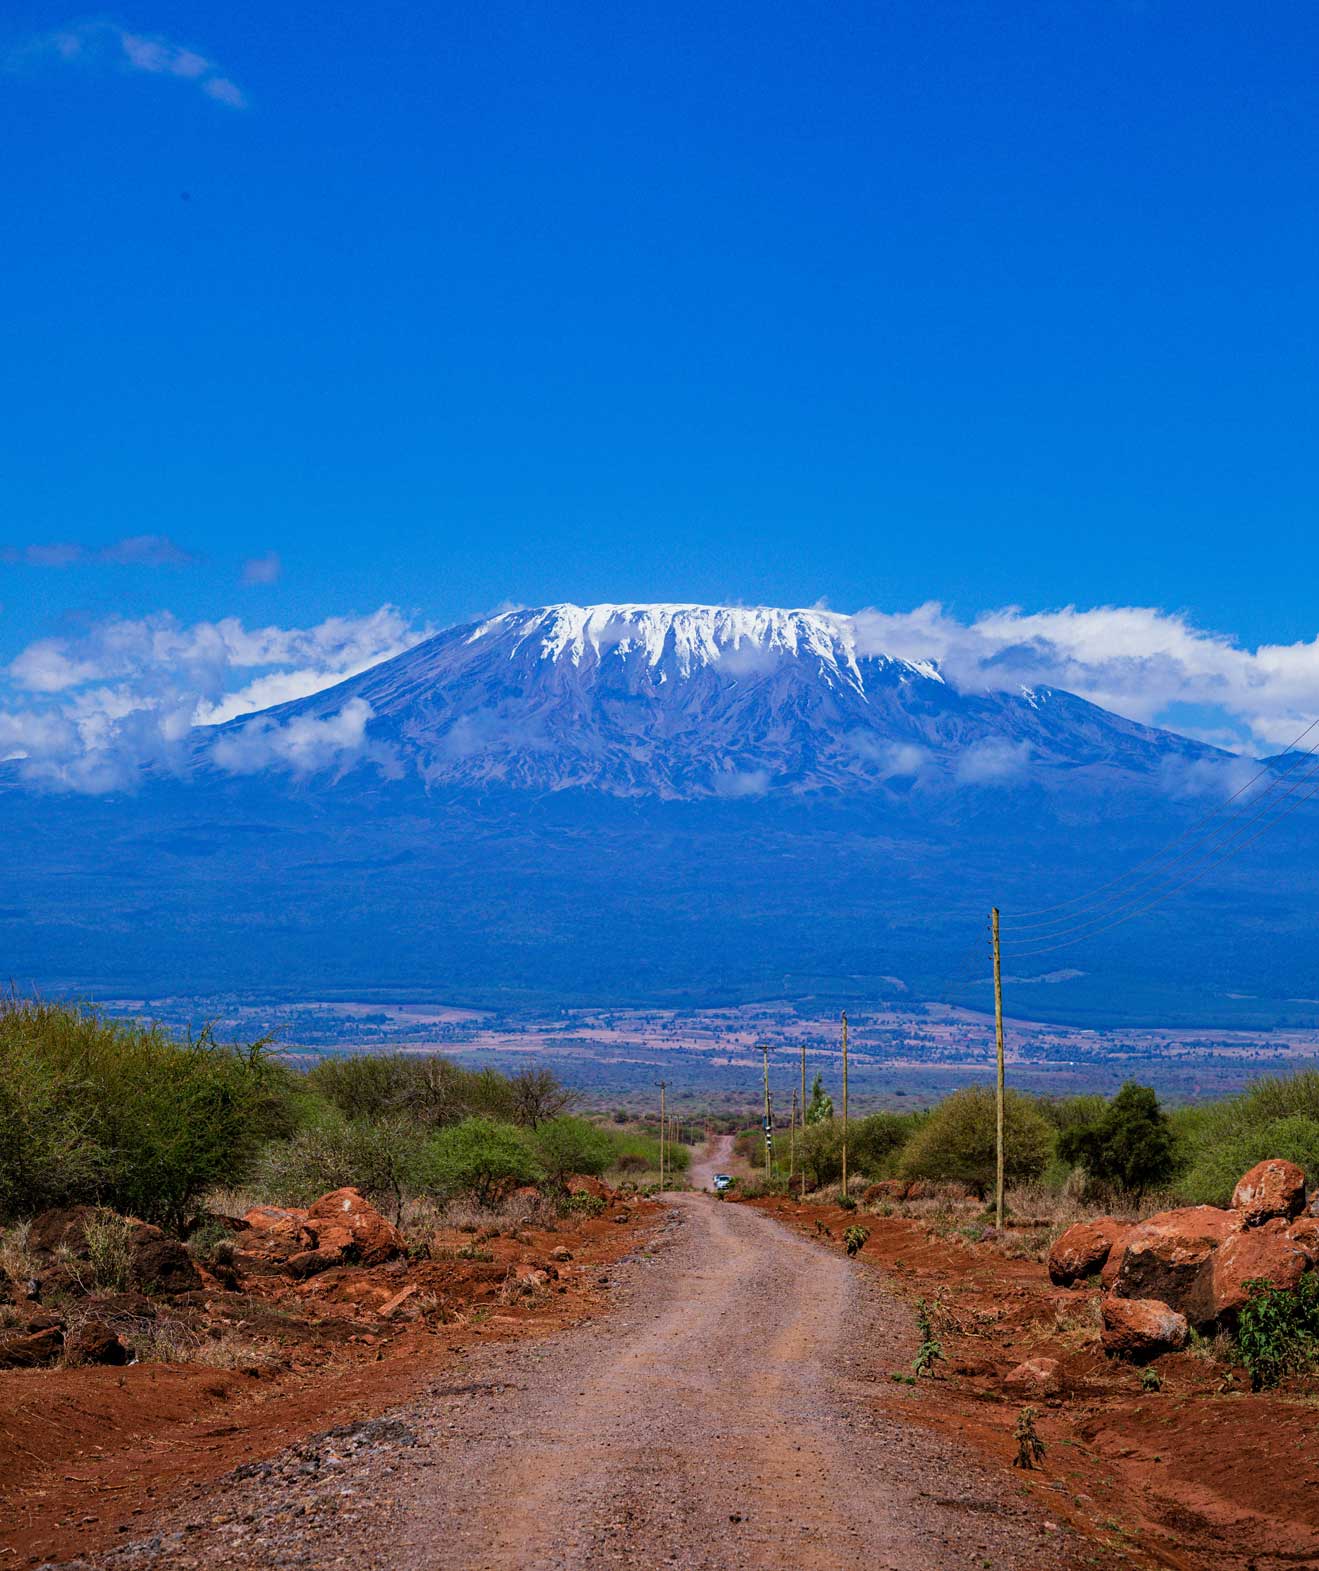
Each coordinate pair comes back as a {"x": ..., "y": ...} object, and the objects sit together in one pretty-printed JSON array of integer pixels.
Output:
[{"x": 442, "y": 307}]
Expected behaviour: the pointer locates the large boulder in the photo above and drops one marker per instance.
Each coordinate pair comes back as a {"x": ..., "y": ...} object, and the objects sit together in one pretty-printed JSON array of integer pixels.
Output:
[
  {"x": 1169, "y": 1257},
  {"x": 94, "y": 1342},
  {"x": 344, "y": 1220},
  {"x": 30, "y": 1349},
  {"x": 160, "y": 1264},
  {"x": 1141, "y": 1328},
  {"x": 1084, "y": 1249},
  {"x": 1270, "y": 1189},
  {"x": 1267, "y": 1252},
  {"x": 1304, "y": 1231}
]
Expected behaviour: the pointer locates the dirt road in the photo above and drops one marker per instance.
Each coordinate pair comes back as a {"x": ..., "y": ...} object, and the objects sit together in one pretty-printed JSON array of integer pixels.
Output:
[{"x": 721, "y": 1416}]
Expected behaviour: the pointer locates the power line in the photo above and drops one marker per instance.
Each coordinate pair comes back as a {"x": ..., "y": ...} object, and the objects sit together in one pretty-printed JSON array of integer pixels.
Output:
[
  {"x": 1093, "y": 932},
  {"x": 1241, "y": 823},
  {"x": 1204, "y": 820}
]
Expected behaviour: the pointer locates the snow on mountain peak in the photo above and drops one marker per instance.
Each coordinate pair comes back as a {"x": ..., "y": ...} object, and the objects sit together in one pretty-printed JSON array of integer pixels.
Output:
[{"x": 739, "y": 640}]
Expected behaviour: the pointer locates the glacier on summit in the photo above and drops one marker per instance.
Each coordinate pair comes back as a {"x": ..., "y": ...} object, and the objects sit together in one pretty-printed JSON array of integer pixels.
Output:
[{"x": 683, "y": 702}]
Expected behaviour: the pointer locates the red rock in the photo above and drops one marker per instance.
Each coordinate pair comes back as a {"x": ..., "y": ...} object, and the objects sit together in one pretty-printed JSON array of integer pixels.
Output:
[
  {"x": 1037, "y": 1377},
  {"x": 1305, "y": 1232},
  {"x": 276, "y": 1224},
  {"x": 311, "y": 1262},
  {"x": 1142, "y": 1328},
  {"x": 160, "y": 1264},
  {"x": 584, "y": 1184},
  {"x": 399, "y": 1299},
  {"x": 1084, "y": 1249},
  {"x": 64, "y": 1227},
  {"x": 30, "y": 1349},
  {"x": 1169, "y": 1256},
  {"x": 1272, "y": 1188},
  {"x": 95, "y": 1343},
  {"x": 370, "y": 1238},
  {"x": 1267, "y": 1251}
]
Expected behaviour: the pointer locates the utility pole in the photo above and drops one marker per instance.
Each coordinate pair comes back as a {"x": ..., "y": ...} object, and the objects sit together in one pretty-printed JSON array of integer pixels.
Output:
[
  {"x": 998, "y": 1043},
  {"x": 844, "y": 1104},
  {"x": 662, "y": 1084},
  {"x": 792, "y": 1140},
  {"x": 769, "y": 1133},
  {"x": 803, "y": 1118}
]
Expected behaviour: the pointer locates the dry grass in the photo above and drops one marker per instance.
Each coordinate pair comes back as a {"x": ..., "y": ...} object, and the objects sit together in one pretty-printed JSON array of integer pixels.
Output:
[{"x": 16, "y": 1260}]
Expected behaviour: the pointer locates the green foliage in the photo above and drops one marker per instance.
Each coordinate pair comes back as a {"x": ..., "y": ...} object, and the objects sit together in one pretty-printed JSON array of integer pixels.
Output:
[
  {"x": 958, "y": 1140},
  {"x": 875, "y": 1143},
  {"x": 1030, "y": 1448},
  {"x": 1278, "y": 1116},
  {"x": 635, "y": 1152},
  {"x": 385, "y": 1158},
  {"x": 435, "y": 1092},
  {"x": 482, "y": 1158},
  {"x": 854, "y": 1238},
  {"x": 820, "y": 1107},
  {"x": 580, "y": 1203},
  {"x": 1151, "y": 1379},
  {"x": 1129, "y": 1146},
  {"x": 573, "y": 1145},
  {"x": 123, "y": 1115},
  {"x": 1278, "y": 1330},
  {"x": 931, "y": 1349},
  {"x": 820, "y": 1151}
]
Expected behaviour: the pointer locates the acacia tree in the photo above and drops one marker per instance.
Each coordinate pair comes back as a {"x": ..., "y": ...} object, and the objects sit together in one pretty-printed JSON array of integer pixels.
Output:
[{"x": 1130, "y": 1146}]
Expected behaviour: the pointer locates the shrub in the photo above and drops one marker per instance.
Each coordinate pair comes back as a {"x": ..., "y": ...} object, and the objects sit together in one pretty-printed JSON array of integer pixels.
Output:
[
  {"x": 124, "y": 1115},
  {"x": 482, "y": 1158},
  {"x": 1278, "y": 1116},
  {"x": 109, "y": 1242},
  {"x": 874, "y": 1143},
  {"x": 386, "y": 1159},
  {"x": 1278, "y": 1330},
  {"x": 958, "y": 1140},
  {"x": 538, "y": 1097},
  {"x": 572, "y": 1145},
  {"x": 1129, "y": 1146},
  {"x": 820, "y": 1107}
]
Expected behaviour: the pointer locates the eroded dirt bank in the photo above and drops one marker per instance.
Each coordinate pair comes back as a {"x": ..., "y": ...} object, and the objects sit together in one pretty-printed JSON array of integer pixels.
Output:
[{"x": 723, "y": 1415}]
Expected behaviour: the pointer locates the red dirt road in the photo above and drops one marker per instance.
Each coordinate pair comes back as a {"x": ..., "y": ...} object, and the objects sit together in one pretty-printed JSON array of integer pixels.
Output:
[{"x": 722, "y": 1416}]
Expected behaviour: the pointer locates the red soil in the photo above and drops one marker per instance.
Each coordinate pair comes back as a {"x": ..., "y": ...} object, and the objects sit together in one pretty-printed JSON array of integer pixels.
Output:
[
  {"x": 89, "y": 1454},
  {"x": 1201, "y": 1475}
]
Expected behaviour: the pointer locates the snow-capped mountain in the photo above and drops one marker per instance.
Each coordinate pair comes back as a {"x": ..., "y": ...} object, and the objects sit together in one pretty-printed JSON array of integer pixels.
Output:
[
  {"x": 684, "y": 702},
  {"x": 651, "y": 803}
]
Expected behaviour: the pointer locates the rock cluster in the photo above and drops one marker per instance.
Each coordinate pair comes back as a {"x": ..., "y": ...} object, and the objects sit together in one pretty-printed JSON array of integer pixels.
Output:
[
  {"x": 340, "y": 1228},
  {"x": 1189, "y": 1267}
]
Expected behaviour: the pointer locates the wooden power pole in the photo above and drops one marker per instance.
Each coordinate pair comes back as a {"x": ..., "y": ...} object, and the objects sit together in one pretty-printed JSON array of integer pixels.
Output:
[
  {"x": 844, "y": 1104},
  {"x": 998, "y": 1044},
  {"x": 792, "y": 1142},
  {"x": 769, "y": 1133},
  {"x": 662, "y": 1084},
  {"x": 803, "y": 1118}
]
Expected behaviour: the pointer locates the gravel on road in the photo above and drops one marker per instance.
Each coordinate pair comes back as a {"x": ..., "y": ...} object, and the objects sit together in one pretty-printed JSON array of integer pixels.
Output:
[{"x": 722, "y": 1415}]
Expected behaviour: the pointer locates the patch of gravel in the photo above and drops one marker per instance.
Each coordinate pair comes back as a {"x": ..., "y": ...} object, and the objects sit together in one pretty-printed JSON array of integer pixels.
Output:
[{"x": 720, "y": 1416}]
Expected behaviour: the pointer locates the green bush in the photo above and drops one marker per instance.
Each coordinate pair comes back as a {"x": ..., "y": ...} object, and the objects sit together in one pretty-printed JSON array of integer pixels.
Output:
[
  {"x": 958, "y": 1140},
  {"x": 482, "y": 1158},
  {"x": 435, "y": 1092},
  {"x": 1278, "y": 1116},
  {"x": 573, "y": 1145},
  {"x": 820, "y": 1108},
  {"x": 1278, "y": 1330},
  {"x": 1128, "y": 1147},
  {"x": 387, "y": 1159},
  {"x": 124, "y": 1115}
]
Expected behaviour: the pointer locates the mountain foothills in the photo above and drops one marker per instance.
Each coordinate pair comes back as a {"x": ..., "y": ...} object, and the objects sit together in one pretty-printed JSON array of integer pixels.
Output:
[{"x": 650, "y": 803}]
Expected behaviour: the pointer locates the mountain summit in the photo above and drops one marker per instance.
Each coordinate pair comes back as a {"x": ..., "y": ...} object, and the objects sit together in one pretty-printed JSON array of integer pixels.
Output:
[{"x": 684, "y": 702}]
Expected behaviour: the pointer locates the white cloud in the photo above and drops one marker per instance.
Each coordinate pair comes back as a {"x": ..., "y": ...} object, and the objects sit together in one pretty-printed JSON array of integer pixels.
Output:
[
  {"x": 303, "y": 745},
  {"x": 1151, "y": 665},
  {"x": 992, "y": 762},
  {"x": 126, "y": 692},
  {"x": 103, "y": 43}
]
